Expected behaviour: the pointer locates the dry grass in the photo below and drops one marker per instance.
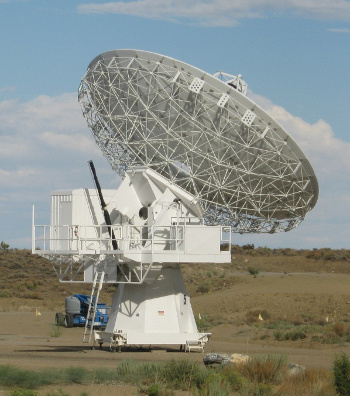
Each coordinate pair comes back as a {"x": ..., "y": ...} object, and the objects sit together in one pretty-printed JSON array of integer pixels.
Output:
[
  {"x": 268, "y": 369},
  {"x": 311, "y": 382},
  {"x": 28, "y": 280}
]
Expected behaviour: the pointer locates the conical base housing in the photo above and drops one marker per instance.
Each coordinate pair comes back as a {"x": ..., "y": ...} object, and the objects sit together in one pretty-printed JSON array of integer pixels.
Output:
[{"x": 157, "y": 313}]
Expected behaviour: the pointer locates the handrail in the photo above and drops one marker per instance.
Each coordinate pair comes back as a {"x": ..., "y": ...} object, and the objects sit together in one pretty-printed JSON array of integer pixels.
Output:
[{"x": 130, "y": 237}]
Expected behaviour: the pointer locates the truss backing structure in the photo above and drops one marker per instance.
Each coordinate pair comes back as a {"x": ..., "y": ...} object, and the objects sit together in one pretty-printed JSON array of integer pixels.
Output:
[
  {"x": 202, "y": 134},
  {"x": 69, "y": 268}
]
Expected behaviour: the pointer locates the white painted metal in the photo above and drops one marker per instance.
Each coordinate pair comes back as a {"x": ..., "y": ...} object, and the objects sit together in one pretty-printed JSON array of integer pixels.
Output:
[
  {"x": 150, "y": 314},
  {"x": 152, "y": 305},
  {"x": 174, "y": 232},
  {"x": 196, "y": 157},
  {"x": 236, "y": 82},
  {"x": 202, "y": 133}
]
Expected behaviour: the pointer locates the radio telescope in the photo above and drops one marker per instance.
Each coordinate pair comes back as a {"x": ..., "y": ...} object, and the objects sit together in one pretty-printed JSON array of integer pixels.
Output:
[
  {"x": 198, "y": 160},
  {"x": 202, "y": 133}
]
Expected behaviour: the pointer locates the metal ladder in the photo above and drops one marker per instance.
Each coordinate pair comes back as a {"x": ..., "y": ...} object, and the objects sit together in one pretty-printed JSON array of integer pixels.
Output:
[{"x": 98, "y": 278}]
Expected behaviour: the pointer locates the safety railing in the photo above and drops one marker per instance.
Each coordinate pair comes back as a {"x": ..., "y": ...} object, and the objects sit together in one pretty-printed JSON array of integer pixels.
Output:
[{"x": 99, "y": 238}]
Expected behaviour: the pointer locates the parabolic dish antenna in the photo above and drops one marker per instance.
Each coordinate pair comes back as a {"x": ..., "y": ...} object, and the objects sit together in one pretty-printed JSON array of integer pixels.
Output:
[
  {"x": 198, "y": 158},
  {"x": 203, "y": 134}
]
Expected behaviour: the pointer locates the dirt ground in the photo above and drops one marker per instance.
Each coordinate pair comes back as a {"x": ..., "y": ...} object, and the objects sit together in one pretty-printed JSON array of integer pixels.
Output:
[{"x": 29, "y": 341}]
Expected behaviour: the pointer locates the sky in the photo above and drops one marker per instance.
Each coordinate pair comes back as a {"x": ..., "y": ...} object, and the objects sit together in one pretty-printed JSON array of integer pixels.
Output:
[{"x": 294, "y": 55}]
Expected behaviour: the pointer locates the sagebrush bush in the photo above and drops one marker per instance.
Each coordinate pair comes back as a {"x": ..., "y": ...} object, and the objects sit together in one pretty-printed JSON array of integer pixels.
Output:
[
  {"x": 253, "y": 316},
  {"x": 203, "y": 288},
  {"x": 341, "y": 371},
  {"x": 269, "y": 369},
  {"x": 310, "y": 382},
  {"x": 13, "y": 377},
  {"x": 294, "y": 335},
  {"x": 253, "y": 271},
  {"x": 214, "y": 385},
  {"x": 339, "y": 329},
  {"x": 133, "y": 372},
  {"x": 24, "y": 392},
  {"x": 184, "y": 374},
  {"x": 203, "y": 323},
  {"x": 232, "y": 377},
  {"x": 77, "y": 375}
]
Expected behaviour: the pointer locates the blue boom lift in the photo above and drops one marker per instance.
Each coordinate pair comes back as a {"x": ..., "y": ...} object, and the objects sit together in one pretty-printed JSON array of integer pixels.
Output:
[{"x": 76, "y": 310}]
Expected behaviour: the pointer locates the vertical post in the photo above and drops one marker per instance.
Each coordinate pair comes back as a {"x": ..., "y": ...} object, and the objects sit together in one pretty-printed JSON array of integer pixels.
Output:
[{"x": 33, "y": 231}]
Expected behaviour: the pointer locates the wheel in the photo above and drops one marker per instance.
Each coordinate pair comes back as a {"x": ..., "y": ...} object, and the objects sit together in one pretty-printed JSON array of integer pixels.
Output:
[
  {"x": 69, "y": 320},
  {"x": 59, "y": 319}
]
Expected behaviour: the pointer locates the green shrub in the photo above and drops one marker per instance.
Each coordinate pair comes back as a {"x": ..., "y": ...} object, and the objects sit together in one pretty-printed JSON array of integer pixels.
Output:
[
  {"x": 253, "y": 271},
  {"x": 263, "y": 390},
  {"x": 280, "y": 325},
  {"x": 31, "y": 285},
  {"x": 203, "y": 288},
  {"x": 183, "y": 374},
  {"x": 153, "y": 390},
  {"x": 253, "y": 316},
  {"x": 224, "y": 247},
  {"x": 13, "y": 377},
  {"x": 104, "y": 376},
  {"x": 61, "y": 393},
  {"x": 203, "y": 323},
  {"x": 339, "y": 329},
  {"x": 329, "y": 337},
  {"x": 4, "y": 246},
  {"x": 233, "y": 378},
  {"x": 32, "y": 296},
  {"x": 134, "y": 372},
  {"x": 294, "y": 335},
  {"x": 268, "y": 369},
  {"x": 215, "y": 385},
  {"x": 76, "y": 375},
  {"x": 278, "y": 335},
  {"x": 23, "y": 392},
  {"x": 341, "y": 371}
]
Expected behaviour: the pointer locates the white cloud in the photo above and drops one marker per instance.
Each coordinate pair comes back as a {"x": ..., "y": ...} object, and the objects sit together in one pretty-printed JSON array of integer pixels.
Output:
[
  {"x": 45, "y": 144},
  {"x": 77, "y": 142},
  {"x": 7, "y": 88},
  {"x": 329, "y": 222},
  {"x": 347, "y": 31},
  {"x": 28, "y": 129},
  {"x": 43, "y": 141},
  {"x": 326, "y": 152},
  {"x": 221, "y": 12},
  {"x": 9, "y": 177},
  {"x": 41, "y": 112}
]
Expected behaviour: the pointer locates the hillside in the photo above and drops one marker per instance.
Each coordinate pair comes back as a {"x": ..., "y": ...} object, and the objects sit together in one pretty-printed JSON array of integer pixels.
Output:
[{"x": 28, "y": 281}]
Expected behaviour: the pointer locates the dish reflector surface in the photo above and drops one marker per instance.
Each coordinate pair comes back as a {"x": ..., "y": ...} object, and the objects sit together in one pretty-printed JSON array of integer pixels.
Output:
[{"x": 146, "y": 109}]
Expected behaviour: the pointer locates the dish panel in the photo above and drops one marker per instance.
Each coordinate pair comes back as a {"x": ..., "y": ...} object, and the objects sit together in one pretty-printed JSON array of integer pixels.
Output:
[{"x": 146, "y": 109}]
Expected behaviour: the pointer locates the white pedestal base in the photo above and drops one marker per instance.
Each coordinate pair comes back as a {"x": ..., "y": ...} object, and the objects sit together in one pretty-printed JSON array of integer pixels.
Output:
[{"x": 159, "y": 313}]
